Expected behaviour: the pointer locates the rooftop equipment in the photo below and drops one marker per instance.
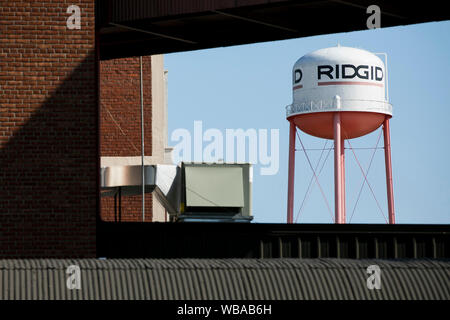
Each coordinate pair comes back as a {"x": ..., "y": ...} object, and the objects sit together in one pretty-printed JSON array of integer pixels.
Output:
[{"x": 218, "y": 192}]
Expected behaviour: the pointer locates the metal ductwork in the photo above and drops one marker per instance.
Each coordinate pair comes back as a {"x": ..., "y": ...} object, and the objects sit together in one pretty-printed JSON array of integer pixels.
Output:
[{"x": 161, "y": 178}]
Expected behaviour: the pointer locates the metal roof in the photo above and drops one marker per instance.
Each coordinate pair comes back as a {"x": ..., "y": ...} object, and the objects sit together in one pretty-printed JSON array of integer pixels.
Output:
[
  {"x": 141, "y": 27},
  {"x": 225, "y": 279}
]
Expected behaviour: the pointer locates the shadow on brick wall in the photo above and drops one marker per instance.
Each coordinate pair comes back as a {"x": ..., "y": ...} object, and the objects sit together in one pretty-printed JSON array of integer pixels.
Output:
[{"x": 49, "y": 169}]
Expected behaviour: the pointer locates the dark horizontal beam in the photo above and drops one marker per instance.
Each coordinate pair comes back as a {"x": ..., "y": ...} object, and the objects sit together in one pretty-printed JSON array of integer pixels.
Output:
[
  {"x": 128, "y": 10},
  {"x": 253, "y": 240}
]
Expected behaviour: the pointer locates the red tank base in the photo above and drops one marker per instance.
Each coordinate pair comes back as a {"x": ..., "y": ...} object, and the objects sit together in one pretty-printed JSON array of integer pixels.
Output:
[{"x": 354, "y": 123}]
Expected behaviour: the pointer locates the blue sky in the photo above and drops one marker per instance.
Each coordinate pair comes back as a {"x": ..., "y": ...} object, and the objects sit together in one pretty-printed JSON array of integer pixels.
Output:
[{"x": 249, "y": 86}]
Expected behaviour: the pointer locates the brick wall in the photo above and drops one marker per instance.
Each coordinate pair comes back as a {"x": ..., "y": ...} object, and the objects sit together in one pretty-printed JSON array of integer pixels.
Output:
[
  {"x": 48, "y": 131},
  {"x": 120, "y": 125}
]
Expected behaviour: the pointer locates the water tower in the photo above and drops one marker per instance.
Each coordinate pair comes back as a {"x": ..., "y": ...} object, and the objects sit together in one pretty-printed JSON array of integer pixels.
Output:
[{"x": 339, "y": 93}]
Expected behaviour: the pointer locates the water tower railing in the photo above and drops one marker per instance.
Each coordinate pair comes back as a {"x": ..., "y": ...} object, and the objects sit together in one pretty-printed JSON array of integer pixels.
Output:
[{"x": 344, "y": 105}]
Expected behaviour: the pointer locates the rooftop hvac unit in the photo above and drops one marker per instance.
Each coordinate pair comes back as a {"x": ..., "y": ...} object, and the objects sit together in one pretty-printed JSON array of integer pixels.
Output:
[
  {"x": 216, "y": 192},
  {"x": 219, "y": 192}
]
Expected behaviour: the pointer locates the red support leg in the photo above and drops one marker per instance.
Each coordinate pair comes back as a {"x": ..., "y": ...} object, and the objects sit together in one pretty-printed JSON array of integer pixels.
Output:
[
  {"x": 337, "y": 168},
  {"x": 290, "y": 201},
  {"x": 389, "y": 183},
  {"x": 343, "y": 215}
]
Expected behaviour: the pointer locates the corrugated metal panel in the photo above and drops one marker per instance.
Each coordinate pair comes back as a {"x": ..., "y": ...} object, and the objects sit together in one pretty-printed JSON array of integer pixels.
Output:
[{"x": 307, "y": 279}]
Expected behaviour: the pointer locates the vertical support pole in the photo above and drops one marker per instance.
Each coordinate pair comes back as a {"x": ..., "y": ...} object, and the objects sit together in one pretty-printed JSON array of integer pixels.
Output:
[
  {"x": 337, "y": 168},
  {"x": 120, "y": 204},
  {"x": 389, "y": 182},
  {"x": 343, "y": 210},
  {"x": 142, "y": 138},
  {"x": 291, "y": 173},
  {"x": 115, "y": 205}
]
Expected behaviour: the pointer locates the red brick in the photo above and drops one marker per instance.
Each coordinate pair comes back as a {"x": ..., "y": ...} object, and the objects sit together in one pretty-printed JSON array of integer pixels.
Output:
[
  {"x": 120, "y": 95},
  {"x": 49, "y": 168}
]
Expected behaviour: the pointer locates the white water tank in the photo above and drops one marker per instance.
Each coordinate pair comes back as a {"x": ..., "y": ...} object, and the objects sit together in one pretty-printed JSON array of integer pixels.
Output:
[{"x": 339, "y": 79}]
